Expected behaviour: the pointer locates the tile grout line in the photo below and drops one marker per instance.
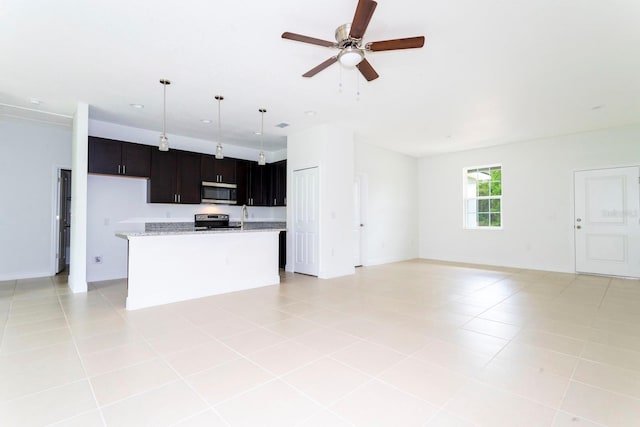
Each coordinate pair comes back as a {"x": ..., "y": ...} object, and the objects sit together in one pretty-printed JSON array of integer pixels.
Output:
[
  {"x": 75, "y": 344},
  {"x": 162, "y": 358},
  {"x": 4, "y": 326}
]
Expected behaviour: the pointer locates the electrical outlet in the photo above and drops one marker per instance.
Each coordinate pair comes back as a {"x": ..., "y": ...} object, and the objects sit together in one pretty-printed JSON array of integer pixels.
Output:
[{"x": 97, "y": 259}]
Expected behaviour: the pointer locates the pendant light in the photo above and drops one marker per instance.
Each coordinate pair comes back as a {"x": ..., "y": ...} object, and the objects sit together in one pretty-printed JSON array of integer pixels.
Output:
[
  {"x": 219, "y": 152},
  {"x": 164, "y": 141},
  {"x": 261, "y": 157}
]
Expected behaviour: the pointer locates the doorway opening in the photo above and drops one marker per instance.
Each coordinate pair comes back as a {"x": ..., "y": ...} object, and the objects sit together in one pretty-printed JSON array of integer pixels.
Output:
[{"x": 63, "y": 218}]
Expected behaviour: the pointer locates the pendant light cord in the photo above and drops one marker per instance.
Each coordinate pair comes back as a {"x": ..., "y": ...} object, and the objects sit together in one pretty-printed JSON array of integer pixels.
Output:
[
  {"x": 164, "y": 111},
  {"x": 164, "y": 83},
  {"x": 219, "y": 98}
]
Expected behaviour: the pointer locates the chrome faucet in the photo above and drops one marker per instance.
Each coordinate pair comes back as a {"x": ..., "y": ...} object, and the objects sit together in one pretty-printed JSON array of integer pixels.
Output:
[{"x": 243, "y": 215}]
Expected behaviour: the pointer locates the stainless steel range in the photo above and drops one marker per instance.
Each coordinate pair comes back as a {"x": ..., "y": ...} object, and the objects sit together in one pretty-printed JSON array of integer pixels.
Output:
[{"x": 212, "y": 221}]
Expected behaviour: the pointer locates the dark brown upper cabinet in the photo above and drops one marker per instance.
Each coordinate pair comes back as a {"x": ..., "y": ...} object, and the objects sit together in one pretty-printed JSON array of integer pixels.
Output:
[
  {"x": 175, "y": 177},
  {"x": 111, "y": 157},
  {"x": 218, "y": 170},
  {"x": 253, "y": 183},
  {"x": 278, "y": 183}
]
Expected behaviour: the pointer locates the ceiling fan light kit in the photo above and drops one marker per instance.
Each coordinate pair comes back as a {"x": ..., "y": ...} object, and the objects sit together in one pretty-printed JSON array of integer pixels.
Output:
[
  {"x": 349, "y": 41},
  {"x": 350, "y": 57}
]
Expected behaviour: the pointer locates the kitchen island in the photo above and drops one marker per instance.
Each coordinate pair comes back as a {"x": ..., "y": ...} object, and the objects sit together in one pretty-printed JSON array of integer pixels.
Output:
[{"x": 171, "y": 266}]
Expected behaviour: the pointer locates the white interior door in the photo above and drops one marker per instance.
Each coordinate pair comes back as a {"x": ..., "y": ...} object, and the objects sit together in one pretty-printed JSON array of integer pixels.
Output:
[
  {"x": 357, "y": 222},
  {"x": 306, "y": 223},
  {"x": 607, "y": 221}
]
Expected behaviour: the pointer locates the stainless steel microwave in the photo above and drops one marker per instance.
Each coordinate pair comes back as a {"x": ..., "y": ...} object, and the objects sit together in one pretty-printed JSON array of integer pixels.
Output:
[{"x": 218, "y": 192}]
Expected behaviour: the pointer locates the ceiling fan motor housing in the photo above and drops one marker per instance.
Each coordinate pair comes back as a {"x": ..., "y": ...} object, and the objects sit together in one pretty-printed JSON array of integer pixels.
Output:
[{"x": 342, "y": 34}]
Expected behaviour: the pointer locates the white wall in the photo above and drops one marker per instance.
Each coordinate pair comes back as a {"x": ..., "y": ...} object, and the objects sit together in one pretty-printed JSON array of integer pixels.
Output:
[
  {"x": 79, "y": 163},
  {"x": 390, "y": 204},
  {"x": 537, "y": 199},
  {"x": 32, "y": 152},
  {"x": 330, "y": 149},
  {"x": 152, "y": 137}
]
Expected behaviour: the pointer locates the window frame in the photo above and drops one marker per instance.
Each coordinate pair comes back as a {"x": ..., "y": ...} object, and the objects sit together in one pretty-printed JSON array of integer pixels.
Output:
[{"x": 466, "y": 198}]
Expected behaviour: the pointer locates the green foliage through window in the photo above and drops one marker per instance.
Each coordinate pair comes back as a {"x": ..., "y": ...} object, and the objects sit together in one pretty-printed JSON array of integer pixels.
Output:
[{"x": 483, "y": 194}]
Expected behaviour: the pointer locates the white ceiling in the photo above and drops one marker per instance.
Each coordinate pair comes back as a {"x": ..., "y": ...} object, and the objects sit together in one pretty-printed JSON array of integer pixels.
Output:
[{"x": 491, "y": 71}]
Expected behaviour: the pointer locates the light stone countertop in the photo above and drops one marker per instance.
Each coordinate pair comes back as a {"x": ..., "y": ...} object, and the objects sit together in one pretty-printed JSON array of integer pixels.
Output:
[{"x": 129, "y": 234}]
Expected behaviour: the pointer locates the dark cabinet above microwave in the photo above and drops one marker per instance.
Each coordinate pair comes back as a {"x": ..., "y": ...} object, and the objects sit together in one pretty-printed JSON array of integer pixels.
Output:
[
  {"x": 175, "y": 177},
  {"x": 218, "y": 170}
]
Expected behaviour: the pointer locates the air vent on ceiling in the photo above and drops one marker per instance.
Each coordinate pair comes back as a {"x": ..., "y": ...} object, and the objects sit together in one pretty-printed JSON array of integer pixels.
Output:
[{"x": 282, "y": 125}]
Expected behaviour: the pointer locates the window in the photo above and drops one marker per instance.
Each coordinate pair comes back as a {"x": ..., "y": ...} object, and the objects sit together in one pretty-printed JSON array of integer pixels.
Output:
[{"x": 483, "y": 197}]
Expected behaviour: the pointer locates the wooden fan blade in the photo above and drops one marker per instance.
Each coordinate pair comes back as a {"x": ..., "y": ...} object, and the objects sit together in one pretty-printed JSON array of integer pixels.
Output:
[
  {"x": 364, "y": 12},
  {"x": 408, "y": 43},
  {"x": 315, "y": 70},
  {"x": 307, "y": 39},
  {"x": 367, "y": 70}
]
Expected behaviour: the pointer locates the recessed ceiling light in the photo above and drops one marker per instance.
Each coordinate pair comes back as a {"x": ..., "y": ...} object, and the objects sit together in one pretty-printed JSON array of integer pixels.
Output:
[
  {"x": 205, "y": 121},
  {"x": 138, "y": 106},
  {"x": 310, "y": 113},
  {"x": 35, "y": 101},
  {"x": 257, "y": 133}
]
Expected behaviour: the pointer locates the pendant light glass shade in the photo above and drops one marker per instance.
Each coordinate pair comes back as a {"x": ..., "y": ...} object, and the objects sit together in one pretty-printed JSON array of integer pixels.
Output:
[
  {"x": 261, "y": 157},
  {"x": 219, "y": 149},
  {"x": 164, "y": 141}
]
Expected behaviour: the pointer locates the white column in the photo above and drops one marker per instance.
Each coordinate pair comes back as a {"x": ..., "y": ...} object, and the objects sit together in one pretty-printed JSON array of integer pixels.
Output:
[{"x": 79, "y": 164}]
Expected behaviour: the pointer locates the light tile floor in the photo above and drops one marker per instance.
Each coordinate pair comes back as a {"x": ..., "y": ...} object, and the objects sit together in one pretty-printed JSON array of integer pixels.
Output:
[{"x": 407, "y": 344}]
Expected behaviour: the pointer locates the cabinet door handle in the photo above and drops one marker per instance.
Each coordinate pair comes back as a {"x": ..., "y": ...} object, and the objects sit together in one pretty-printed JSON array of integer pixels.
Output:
[
  {"x": 274, "y": 202},
  {"x": 179, "y": 197},
  {"x": 175, "y": 198},
  {"x": 119, "y": 169},
  {"x": 124, "y": 169}
]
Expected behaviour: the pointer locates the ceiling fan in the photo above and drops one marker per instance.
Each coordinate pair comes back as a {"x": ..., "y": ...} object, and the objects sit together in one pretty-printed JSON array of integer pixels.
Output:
[{"x": 349, "y": 41}]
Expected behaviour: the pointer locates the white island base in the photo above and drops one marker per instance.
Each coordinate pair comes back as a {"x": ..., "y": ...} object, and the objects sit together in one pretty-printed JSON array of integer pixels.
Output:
[{"x": 170, "y": 267}]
